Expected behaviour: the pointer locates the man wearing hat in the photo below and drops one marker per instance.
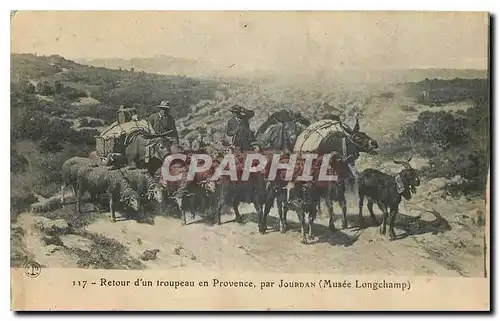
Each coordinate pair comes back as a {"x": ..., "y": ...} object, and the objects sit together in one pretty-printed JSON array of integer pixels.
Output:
[
  {"x": 298, "y": 118},
  {"x": 163, "y": 123},
  {"x": 238, "y": 127}
]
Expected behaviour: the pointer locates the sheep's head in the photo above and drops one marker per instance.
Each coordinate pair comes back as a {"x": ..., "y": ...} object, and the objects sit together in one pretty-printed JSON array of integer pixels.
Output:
[
  {"x": 209, "y": 186},
  {"x": 156, "y": 193},
  {"x": 131, "y": 201}
]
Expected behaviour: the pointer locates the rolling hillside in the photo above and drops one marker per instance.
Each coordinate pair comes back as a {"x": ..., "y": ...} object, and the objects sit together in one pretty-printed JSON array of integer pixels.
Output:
[{"x": 58, "y": 106}]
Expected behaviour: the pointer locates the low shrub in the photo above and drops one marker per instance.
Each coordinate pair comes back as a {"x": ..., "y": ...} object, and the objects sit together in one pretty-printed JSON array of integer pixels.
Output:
[{"x": 456, "y": 144}]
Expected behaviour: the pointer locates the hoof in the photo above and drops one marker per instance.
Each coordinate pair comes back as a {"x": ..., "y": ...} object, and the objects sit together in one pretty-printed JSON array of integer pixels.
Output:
[
  {"x": 382, "y": 230},
  {"x": 345, "y": 225},
  {"x": 112, "y": 220},
  {"x": 304, "y": 241},
  {"x": 392, "y": 236},
  {"x": 239, "y": 220}
]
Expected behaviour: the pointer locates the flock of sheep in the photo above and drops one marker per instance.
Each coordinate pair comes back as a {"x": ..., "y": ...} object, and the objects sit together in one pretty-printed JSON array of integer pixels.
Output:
[{"x": 130, "y": 187}]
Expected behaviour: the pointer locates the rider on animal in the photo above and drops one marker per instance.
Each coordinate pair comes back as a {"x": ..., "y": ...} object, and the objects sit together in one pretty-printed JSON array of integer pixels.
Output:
[
  {"x": 163, "y": 123},
  {"x": 238, "y": 127}
]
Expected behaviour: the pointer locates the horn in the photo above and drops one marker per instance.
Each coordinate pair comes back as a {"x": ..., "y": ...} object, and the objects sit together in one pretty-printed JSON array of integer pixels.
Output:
[
  {"x": 405, "y": 164},
  {"x": 409, "y": 159}
]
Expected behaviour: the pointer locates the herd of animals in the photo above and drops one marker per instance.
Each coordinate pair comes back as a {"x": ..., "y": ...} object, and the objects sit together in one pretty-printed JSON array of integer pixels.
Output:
[{"x": 134, "y": 185}]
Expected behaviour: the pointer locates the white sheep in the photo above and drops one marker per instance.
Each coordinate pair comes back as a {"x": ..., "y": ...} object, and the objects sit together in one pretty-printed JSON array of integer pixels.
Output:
[
  {"x": 112, "y": 183},
  {"x": 70, "y": 170}
]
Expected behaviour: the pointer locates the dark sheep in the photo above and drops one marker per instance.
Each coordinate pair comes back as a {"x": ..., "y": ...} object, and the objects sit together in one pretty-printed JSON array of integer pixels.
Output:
[{"x": 386, "y": 190}]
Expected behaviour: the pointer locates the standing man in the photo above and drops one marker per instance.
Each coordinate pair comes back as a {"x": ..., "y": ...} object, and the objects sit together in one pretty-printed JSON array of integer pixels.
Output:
[{"x": 238, "y": 127}]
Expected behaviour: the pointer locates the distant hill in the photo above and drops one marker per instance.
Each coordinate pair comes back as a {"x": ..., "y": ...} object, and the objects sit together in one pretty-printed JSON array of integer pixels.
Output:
[
  {"x": 169, "y": 65},
  {"x": 157, "y": 64},
  {"x": 111, "y": 87}
]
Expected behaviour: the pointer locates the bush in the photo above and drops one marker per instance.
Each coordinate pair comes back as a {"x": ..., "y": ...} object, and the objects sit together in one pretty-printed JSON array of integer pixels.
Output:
[
  {"x": 26, "y": 87},
  {"x": 455, "y": 144},
  {"x": 387, "y": 95},
  {"x": 45, "y": 88},
  {"x": 90, "y": 122},
  {"x": 408, "y": 108},
  {"x": 18, "y": 163},
  {"x": 440, "y": 91},
  {"x": 437, "y": 131},
  {"x": 71, "y": 94}
]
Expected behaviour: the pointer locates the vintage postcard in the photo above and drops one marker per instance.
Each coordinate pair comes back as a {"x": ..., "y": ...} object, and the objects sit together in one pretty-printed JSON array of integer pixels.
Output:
[{"x": 250, "y": 160}]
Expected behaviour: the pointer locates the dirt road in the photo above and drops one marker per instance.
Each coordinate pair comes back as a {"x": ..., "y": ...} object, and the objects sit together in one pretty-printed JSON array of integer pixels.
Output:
[{"x": 449, "y": 247}]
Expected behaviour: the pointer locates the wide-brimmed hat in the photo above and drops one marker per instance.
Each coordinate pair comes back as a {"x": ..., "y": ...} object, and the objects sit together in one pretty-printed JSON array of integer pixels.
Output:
[
  {"x": 165, "y": 104},
  {"x": 236, "y": 109},
  {"x": 255, "y": 144}
]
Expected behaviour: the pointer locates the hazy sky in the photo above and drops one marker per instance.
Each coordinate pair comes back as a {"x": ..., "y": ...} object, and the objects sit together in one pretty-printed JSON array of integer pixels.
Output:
[{"x": 263, "y": 40}]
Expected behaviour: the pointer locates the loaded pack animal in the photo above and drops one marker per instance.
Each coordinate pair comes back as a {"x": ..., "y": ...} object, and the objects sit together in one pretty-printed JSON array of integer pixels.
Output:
[
  {"x": 387, "y": 191},
  {"x": 346, "y": 148},
  {"x": 144, "y": 150},
  {"x": 113, "y": 184}
]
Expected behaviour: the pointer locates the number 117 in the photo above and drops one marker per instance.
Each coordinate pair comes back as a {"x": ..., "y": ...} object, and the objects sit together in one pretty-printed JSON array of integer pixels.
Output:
[{"x": 82, "y": 284}]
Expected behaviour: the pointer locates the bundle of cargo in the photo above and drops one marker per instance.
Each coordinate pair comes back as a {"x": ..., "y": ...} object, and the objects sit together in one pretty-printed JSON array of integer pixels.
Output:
[
  {"x": 111, "y": 140},
  {"x": 311, "y": 139}
]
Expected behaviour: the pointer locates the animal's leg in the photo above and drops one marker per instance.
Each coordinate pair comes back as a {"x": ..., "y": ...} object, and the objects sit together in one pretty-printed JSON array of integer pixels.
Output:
[
  {"x": 260, "y": 210},
  {"x": 180, "y": 204},
  {"x": 392, "y": 221},
  {"x": 63, "y": 187},
  {"x": 267, "y": 208},
  {"x": 300, "y": 215},
  {"x": 195, "y": 209},
  {"x": 285, "y": 210},
  {"x": 79, "y": 195},
  {"x": 95, "y": 201},
  {"x": 281, "y": 201},
  {"x": 383, "y": 226},
  {"x": 360, "y": 206},
  {"x": 372, "y": 214},
  {"x": 343, "y": 205},
  {"x": 312, "y": 217},
  {"x": 220, "y": 205},
  {"x": 112, "y": 209},
  {"x": 331, "y": 213},
  {"x": 237, "y": 215}
]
